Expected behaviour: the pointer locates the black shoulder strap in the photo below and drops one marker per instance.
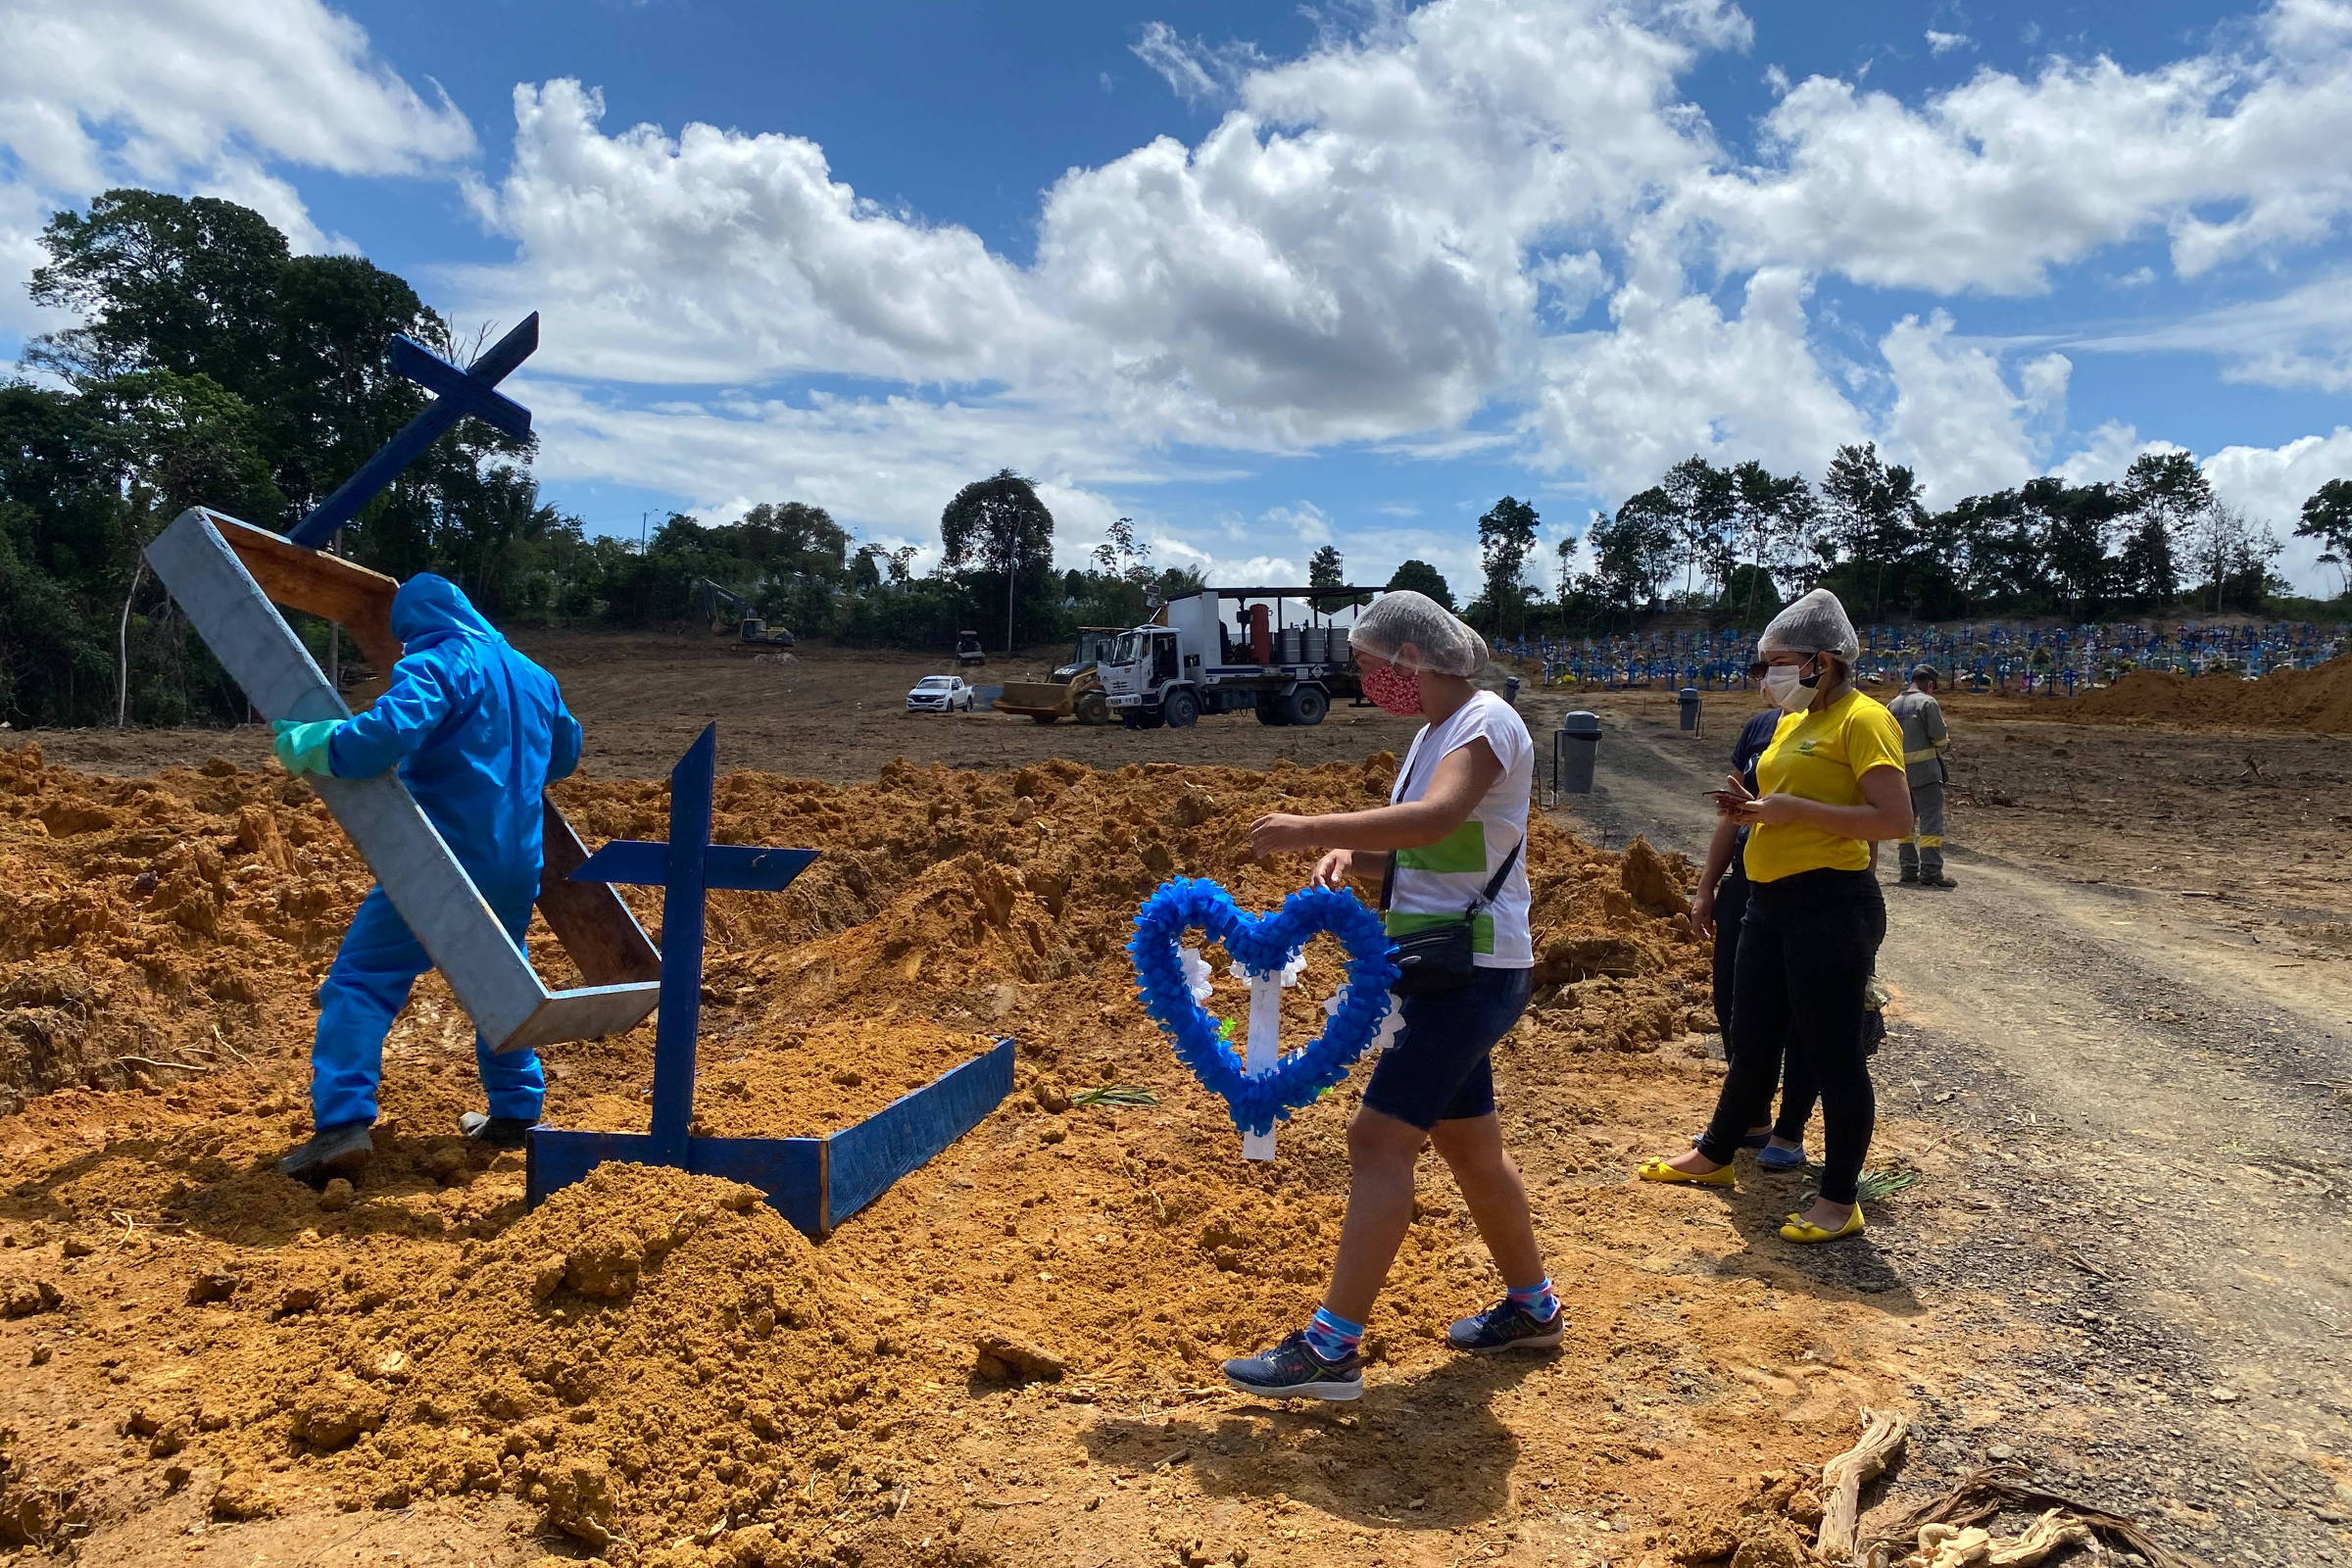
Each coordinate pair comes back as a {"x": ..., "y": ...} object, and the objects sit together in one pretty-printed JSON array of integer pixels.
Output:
[{"x": 1494, "y": 883}]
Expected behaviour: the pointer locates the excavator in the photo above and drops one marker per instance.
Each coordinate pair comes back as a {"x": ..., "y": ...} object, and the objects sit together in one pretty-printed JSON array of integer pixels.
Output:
[{"x": 724, "y": 612}]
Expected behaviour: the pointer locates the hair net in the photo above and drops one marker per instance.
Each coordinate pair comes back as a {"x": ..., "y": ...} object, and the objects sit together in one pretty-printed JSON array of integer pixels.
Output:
[
  {"x": 1815, "y": 624},
  {"x": 1442, "y": 644}
]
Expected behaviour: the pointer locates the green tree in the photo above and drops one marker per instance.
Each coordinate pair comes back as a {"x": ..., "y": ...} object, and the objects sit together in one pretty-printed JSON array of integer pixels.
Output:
[
  {"x": 1769, "y": 514},
  {"x": 1635, "y": 552},
  {"x": 1000, "y": 534},
  {"x": 182, "y": 283},
  {"x": 2327, "y": 517},
  {"x": 1705, "y": 506},
  {"x": 2165, "y": 494},
  {"x": 1506, "y": 536},
  {"x": 1420, "y": 577},
  {"x": 1873, "y": 515}
]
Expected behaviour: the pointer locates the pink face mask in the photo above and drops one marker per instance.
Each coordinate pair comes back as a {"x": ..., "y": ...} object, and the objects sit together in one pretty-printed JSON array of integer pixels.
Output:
[{"x": 1395, "y": 690}]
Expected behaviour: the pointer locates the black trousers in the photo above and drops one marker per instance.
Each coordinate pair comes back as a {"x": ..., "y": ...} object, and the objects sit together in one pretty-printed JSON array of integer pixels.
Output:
[
  {"x": 1797, "y": 1093},
  {"x": 1807, "y": 946}
]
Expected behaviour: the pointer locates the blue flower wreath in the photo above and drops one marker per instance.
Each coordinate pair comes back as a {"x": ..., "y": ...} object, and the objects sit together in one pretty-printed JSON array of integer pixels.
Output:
[{"x": 1262, "y": 946}]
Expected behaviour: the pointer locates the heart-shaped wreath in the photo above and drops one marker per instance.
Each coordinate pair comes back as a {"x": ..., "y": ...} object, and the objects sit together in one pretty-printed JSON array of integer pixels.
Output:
[{"x": 1262, "y": 946}]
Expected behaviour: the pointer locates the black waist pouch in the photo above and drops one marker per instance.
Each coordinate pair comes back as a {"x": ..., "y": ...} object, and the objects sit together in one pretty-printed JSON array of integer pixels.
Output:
[{"x": 1440, "y": 957}]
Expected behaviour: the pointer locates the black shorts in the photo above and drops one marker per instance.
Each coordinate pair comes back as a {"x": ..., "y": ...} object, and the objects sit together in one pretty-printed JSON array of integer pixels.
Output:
[{"x": 1438, "y": 1069}]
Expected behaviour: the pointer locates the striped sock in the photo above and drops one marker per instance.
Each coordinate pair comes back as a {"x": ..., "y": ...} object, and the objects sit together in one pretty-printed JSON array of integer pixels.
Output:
[
  {"x": 1331, "y": 1336},
  {"x": 1537, "y": 1300}
]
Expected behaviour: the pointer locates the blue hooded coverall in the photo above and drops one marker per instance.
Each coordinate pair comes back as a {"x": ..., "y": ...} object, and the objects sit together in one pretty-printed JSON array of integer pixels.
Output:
[{"x": 478, "y": 732}]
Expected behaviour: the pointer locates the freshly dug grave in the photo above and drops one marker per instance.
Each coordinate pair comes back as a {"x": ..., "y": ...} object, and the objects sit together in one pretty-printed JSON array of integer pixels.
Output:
[
  {"x": 668, "y": 1373},
  {"x": 2318, "y": 698}
]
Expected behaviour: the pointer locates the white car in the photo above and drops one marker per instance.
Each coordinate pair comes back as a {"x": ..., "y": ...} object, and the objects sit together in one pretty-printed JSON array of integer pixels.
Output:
[{"x": 941, "y": 694}]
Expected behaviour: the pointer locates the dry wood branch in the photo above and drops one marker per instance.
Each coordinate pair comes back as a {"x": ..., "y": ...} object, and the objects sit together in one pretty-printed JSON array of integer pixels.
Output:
[
  {"x": 1842, "y": 1479},
  {"x": 1980, "y": 1494},
  {"x": 1974, "y": 1546}
]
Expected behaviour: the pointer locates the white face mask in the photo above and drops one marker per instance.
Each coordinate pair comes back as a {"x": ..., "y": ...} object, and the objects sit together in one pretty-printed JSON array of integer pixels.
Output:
[{"x": 1782, "y": 684}]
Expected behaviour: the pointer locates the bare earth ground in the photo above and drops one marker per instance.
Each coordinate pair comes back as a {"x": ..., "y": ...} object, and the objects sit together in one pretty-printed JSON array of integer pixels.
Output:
[
  {"x": 2130, "y": 1033},
  {"x": 2128, "y": 1262}
]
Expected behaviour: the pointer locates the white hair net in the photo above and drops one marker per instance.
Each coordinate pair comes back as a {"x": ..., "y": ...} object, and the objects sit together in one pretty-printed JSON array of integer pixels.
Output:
[
  {"x": 1817, "y": 623},
  {"x": 1442, "y": 644}
]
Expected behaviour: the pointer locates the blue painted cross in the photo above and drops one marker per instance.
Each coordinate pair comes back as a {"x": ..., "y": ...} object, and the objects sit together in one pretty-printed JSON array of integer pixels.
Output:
[
  {"x": 815, "y": 1182},
  {"x": 459, "y": 393},
  {"x": 685, "y": 868}
]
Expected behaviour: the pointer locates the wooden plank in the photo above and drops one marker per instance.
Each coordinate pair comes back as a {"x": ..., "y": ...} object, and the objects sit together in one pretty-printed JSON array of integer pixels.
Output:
[
  {"x": 354, "y": 597},
  {"x": 862, "y": 1161},
  {"x": 589, "y": 918}
]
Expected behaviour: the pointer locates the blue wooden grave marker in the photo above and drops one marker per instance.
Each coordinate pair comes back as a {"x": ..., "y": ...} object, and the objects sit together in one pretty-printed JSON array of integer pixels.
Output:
[
  {"x": 816, "y": 1183},
  {"x": 458, "y": 394}
]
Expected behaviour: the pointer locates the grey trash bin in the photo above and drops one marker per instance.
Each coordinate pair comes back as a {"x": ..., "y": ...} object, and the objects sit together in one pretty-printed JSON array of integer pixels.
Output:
[
  {"x": 1690, "y": 702},
  {"x": 1510, "y": 690},
  {"x": 1574, "y": 747}
]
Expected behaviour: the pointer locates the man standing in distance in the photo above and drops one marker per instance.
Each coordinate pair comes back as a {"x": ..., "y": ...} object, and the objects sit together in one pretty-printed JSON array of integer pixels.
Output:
[{"x": 1924, "y": 738}]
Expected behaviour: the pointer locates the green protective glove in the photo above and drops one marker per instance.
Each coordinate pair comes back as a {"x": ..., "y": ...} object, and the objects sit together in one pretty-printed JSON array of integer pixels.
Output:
[{"x": 304, "y": 748}]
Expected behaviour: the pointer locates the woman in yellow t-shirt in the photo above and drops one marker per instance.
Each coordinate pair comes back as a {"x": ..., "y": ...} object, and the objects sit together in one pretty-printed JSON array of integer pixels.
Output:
[{"x": 1829, "y": 784}]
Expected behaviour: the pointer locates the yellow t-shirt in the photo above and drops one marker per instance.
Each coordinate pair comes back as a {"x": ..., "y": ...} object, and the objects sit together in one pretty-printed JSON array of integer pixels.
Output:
[{"x": 1821, "y": 755}]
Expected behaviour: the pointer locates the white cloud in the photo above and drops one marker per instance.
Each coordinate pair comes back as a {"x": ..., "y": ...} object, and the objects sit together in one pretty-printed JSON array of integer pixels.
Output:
[
  {"x": 1193, "y": 71},
  {"x": 1956, "y": 419},
  {"x": 1943, "y": 43},
  {"x": 204, "y": 96},
  {"x": 2106, "y": 455},
  {"x": 2302, "y": 338},
  {"x": 1674, "y": 376},
  {"x": 1985, "y": 187},
  {"x": 2272, "y": 483}
]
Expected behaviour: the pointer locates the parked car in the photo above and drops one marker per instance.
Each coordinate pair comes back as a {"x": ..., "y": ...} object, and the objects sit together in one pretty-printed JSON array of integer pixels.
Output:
[{"x": 941, "y": 694}]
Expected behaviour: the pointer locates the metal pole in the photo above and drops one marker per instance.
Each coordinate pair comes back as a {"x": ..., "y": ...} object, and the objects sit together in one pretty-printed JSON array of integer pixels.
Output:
[{"x": 1012, "y": 551}]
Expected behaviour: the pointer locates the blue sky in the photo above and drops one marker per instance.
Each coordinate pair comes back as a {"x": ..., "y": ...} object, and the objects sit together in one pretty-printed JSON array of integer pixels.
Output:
[{"x": 1264, "y": 279}]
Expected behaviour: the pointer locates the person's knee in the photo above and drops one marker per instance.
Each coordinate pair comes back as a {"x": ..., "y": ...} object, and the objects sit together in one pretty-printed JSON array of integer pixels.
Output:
[
  {"x": 1472, "y": 1147},
  {"x": 1377, "y": 1141}
]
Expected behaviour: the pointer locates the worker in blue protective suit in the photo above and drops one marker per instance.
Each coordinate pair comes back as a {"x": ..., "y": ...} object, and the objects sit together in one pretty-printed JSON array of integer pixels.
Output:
[{"x": 477, "y": 732}]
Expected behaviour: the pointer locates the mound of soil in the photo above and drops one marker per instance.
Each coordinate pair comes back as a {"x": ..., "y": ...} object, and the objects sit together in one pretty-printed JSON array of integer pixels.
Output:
[
  {"x": 662, "y": 1367},
  {"x": 2318, "y": 698}
]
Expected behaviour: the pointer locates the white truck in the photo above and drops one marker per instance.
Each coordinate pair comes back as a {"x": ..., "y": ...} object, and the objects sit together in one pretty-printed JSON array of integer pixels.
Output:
[{"x": 1229, "y": 650}]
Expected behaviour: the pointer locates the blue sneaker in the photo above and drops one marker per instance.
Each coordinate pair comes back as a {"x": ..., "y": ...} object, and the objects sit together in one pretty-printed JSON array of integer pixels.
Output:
[
  {"x": 1506, "y": 1326},
  {"x": 1770, "y": 1158},
  {"x": 1292, "y": 1370}
]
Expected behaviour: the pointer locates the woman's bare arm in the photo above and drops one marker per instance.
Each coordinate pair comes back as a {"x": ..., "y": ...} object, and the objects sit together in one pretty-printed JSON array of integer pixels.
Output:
[{"x": 1462, "y": 781}]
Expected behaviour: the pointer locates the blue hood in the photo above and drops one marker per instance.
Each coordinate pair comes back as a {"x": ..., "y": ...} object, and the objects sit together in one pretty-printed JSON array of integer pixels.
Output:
[{"x": 429, "y": 610}]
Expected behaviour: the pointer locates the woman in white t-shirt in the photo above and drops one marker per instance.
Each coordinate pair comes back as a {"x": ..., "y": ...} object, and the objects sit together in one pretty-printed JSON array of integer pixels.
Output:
[{"x": 1457, "y": 820}]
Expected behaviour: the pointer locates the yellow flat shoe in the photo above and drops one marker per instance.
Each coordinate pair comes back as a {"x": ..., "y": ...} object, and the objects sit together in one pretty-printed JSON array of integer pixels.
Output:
[
  {"x": 1798, "y": 1230},
  {"x": 1657, "y": 1170}
]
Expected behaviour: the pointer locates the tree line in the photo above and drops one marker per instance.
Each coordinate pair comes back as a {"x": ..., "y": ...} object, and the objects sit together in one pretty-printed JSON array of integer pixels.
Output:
[{"x": 1735, "y": 542}]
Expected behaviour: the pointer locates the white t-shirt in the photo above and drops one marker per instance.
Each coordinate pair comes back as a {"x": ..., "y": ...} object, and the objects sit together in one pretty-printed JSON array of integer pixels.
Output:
[{"x": 1441, "y": 880}]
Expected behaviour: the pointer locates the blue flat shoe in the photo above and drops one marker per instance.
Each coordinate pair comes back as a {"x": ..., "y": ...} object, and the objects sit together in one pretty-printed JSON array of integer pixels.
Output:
[{"x": 1770, "y": 1158}]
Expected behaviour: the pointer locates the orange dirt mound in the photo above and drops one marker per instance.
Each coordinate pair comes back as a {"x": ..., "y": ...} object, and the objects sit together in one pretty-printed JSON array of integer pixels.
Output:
[
  {"x": 671, "y": 1375},
  {"x": 2318, "y": 698}
]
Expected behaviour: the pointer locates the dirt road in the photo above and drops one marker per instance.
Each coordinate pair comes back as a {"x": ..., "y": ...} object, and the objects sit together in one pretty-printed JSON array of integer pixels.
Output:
[{"x": 2144, "y": 1109}]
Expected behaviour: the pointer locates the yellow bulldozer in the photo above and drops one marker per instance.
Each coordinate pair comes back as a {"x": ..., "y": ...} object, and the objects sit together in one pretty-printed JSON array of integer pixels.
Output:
[{"x": 1073, "y": 690}]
